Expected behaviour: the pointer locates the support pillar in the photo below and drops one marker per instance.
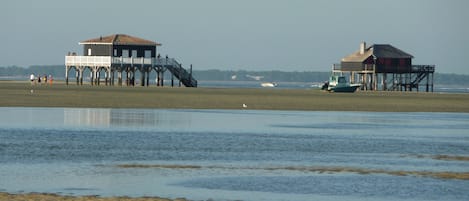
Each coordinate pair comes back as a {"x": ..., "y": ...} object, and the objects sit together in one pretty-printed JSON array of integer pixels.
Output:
[
  {"x": 66, "y": 74},
  {"x": 77, "y": 76},
  {"x": 132, "y": 79},
  {"x": 142, "y": 77},
  {"x": 432, "y": 82},
  {"x": 158, "y": 77},
  {"x": 119, "y": 77},
  {"x": 162, "y": 78},
  {"x": 98, "y": 75},
  {"x": 112, "y": 76},
  {"x": 81, "y": 75},
  {"x": 365, "y": 81},
  {"x": 148, "y": 76},
  {"x": 385, "y": 86},
  {"x": 399, "y": 81},
  {"x": 375, "y": 81},
  {"x": 172, "y": 80}
]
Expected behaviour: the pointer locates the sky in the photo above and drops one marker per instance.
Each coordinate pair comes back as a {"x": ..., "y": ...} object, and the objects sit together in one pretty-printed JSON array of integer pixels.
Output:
[{"x": 259, "y": 35}]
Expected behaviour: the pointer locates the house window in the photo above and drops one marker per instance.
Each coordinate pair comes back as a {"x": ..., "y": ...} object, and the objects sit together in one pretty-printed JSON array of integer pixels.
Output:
[
  {"x": 134, "y": 53},
  {"x": 115, "y": 52},
  {"x": 125, "y": 53},
  {"x": 147, "y": 53},
  {"x": 89, "y": 51}
]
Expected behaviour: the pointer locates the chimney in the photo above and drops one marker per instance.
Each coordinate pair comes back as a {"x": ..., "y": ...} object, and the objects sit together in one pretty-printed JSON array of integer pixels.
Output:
[{"x": 362, "y": 47}]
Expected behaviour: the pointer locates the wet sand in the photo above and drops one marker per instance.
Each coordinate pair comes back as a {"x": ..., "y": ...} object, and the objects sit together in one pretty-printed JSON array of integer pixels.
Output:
[
  {"x": 317, "y": 169},
  {"x": 55, "y": 197},
  {"x": 22, "y": 94}
]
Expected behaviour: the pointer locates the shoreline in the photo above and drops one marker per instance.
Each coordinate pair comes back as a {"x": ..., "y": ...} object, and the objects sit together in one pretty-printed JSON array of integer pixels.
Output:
[
  {"x": 22, "y": 94},
  {"x": 56, "y": 197}
]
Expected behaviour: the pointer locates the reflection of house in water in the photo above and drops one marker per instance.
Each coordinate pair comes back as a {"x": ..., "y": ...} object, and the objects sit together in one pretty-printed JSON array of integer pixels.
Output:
[
  {"x": 87, "y": 117},
  {"x": 147, "y": 118},
  {"x": 125, "y": 118}
]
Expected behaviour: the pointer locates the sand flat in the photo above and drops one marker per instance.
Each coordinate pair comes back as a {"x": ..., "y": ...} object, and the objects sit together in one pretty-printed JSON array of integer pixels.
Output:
[{"x": 22, "y": 94}]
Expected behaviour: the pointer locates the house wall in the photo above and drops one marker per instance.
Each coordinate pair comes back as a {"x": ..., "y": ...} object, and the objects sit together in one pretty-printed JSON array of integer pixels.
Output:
[
  {"x": 383, "y": 65},
  {"x": 118, "y": 50},
  {"x": 140, "y": 50},
  {"x": 393, "y": 65},
  {"x": 97, "y": 49},
  {"x": 352, "y": 66}
]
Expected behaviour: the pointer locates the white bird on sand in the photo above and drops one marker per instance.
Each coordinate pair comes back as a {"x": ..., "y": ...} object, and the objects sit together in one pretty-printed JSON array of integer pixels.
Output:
[{"x": 245, "y": 106}]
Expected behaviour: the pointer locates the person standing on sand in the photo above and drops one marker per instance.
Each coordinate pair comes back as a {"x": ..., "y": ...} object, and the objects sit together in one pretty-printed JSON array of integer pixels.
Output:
[{"x": 31, "y": 78}]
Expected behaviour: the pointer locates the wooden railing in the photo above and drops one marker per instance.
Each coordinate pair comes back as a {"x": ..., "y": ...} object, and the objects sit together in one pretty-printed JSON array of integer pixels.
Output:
[{"x": 88, "y": 61}]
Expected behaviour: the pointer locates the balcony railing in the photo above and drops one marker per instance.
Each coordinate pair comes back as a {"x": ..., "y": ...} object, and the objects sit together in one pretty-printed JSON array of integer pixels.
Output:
[
  {"x": 109, "y": 61},
  {"x": 423, "y": 68},
  {"x": 87, "y": 61}
]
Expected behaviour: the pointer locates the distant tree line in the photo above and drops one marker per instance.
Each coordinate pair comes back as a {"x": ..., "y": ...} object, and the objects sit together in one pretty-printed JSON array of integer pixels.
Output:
[
  {"x": 16, "y": 71},
  {"x": 58, "y": 71}
]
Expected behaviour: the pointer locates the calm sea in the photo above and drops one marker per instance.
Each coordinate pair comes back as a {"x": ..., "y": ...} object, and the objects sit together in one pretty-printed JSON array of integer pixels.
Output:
[
  {"x": 232, "y": 154},
  {"x": 257, "y": 84}
]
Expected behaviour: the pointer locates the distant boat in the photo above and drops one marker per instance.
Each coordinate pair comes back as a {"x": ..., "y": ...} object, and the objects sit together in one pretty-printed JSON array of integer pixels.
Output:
[
  {"x": 338, "y": 83},
  {"x": 269, "y": 84},
  {"x": 316, "y": 85}
]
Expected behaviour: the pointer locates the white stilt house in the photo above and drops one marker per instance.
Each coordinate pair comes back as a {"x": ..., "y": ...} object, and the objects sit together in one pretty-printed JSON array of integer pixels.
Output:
[{"x": 124, "y": 55}]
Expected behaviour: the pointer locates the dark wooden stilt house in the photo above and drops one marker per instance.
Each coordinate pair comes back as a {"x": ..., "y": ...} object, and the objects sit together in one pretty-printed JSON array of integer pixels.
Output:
[{"x": 385, "y": 67}]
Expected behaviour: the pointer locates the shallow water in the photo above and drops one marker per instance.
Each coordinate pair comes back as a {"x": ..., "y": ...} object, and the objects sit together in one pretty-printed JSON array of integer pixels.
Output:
[{"x": 232, "y": 154}]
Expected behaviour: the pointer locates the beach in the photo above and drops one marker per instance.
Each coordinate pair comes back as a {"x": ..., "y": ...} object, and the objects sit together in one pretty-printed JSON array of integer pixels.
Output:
[{"x": 22, "y": 94}]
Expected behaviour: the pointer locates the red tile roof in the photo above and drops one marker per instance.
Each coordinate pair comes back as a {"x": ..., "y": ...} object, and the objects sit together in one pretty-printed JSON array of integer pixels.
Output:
[{"x": 120, "y": 39}]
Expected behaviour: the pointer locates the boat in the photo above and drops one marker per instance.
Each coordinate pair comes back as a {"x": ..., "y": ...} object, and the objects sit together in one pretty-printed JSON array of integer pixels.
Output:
[
  {"x": 338, "y": 83},
  {"x": 269, "y": 84}
]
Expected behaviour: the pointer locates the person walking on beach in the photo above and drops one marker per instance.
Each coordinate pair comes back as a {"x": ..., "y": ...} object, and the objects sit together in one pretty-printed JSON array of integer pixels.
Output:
[
  {"x": 50, "y": 80},
  {"x": 31, "y": 78}
]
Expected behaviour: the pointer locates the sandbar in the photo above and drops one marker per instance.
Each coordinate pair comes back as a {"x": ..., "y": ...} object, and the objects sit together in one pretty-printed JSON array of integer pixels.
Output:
[{"x": 23, "y": 94}]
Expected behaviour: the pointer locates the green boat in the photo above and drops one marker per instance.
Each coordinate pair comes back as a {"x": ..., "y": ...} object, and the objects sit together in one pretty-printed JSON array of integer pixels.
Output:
[{"x": 338, "y": 83}]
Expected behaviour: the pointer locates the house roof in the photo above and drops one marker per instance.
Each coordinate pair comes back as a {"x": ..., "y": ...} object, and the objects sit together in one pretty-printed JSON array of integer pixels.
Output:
[
  {"x": 120, "y": 39},
  {"x": 378, "y": 51}
]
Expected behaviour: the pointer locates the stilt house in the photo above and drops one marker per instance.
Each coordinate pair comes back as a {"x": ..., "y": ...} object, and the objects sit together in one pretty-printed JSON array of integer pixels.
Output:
[
  {"x": 385, "y": 67},
  {"x": 124, "y": 55}
]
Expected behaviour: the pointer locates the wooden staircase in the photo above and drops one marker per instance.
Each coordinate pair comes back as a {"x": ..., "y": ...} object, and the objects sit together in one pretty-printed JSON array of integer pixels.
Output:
[{"x": 181, "y": 74}]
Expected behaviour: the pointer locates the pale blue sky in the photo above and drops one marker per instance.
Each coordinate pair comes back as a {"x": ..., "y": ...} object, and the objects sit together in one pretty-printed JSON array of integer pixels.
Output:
[{"x": 289, "y": 35}]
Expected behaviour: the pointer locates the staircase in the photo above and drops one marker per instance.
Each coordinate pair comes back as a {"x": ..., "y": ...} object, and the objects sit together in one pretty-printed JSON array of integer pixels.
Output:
[
  {"x": 181, "y": 74},
  {"x": 422, "y": 72}
]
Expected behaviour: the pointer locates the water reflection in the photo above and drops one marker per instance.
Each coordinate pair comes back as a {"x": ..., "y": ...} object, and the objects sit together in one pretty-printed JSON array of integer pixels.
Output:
[
  {"x": 93, "y": 117},
  {"x": 87, "y": 117}
]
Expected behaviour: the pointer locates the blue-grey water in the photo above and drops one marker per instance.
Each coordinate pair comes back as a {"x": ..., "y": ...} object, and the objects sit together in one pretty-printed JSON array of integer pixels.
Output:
[
  {"x": 232, "y": 154},
  {"x": 438, "y": 88}
]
